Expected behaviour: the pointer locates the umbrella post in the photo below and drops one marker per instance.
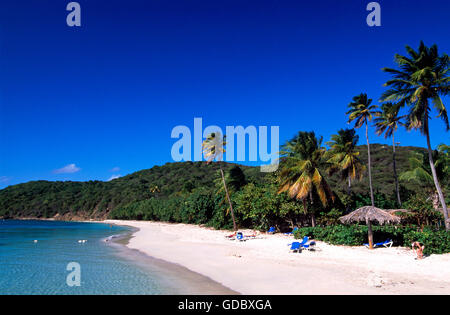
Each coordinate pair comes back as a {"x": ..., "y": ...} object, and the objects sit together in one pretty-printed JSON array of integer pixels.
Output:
[{"x": 370, "y": 232}]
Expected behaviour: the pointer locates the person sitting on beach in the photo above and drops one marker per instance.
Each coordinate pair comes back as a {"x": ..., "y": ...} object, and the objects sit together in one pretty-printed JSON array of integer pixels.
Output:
[{"x": 418, "y": 248}]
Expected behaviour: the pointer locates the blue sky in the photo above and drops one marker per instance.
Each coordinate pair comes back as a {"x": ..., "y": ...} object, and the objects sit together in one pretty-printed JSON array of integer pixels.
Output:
[{"x": 101, "y": 100}]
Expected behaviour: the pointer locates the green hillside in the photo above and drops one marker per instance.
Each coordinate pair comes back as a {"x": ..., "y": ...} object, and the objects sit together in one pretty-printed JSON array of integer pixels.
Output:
[
  {"x": 382, "y": 168},
  {"x": 96, "y": 199}
]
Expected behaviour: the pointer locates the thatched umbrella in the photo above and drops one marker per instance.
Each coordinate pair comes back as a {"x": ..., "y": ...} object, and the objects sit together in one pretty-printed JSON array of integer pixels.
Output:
[{"x": 368, "y": 214}]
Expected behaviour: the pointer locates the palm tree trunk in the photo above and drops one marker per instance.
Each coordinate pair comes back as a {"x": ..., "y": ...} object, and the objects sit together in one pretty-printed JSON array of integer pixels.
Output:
[
  {"x": 305, "y": 207},
  {"x": 313, "y": 217},
  {"x": 397, "y": 190},
  {"x": 436, "y": 182},
  {"x": 349, "y": 187},
  {"x": 228, "y": 198},
  {"x": 349, "y": 192},
  {"x": 370, "y": 168}
]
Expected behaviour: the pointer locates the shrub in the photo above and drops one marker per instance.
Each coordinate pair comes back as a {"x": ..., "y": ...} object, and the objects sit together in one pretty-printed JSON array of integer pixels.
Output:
[
  {"x": 336, "y": 234},
  {"x": 198, "y": 207}
]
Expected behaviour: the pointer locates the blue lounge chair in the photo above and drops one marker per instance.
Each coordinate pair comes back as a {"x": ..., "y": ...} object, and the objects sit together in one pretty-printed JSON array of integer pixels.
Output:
[
  {"x": 309, "y": 246},
  {"x": 387, "y": 243},
  {"x": 297, "y": 246},
  {"x": 271, "y": 230},
  {"x": 290, "y": 233}
]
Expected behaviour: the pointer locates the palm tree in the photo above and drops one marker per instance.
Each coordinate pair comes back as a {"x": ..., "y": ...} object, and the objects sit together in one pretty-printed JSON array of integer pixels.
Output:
[
  {"x": 300, "y": 173},
  {"x": 213, "y": 148},
  {"x": 387, "y": 122},
  {"x": 344, "y": 158},
  {"x": 422, "y": 77},
  {"x": 362, "y": 111}
]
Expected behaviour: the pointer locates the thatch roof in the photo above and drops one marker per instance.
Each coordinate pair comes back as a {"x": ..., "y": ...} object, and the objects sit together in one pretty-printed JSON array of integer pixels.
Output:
[
  {"x": 394, "y": 211},
  {"x": 370, "y": 213}
]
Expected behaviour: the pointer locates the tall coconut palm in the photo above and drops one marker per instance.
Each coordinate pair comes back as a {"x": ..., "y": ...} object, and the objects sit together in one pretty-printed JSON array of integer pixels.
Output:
[
  {"x": 213, "y": 148},
  {"x": 387, "y": 122},
  {"x": 422, "y": 78},
  {"x": 361, "y": 110},
  {"x": 344, "y": 158},
  {"x": 300, "y": 170}
]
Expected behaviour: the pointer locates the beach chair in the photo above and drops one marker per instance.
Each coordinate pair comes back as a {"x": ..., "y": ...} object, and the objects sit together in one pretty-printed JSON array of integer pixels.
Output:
[
  {"x": 295, "y": 246},
  {"x": 387, "y": 243},
  {"x": 291, "y": 233},
  {"x": 271, "y": 230},
  {"x": 298, "y": 246},
  {"x": 309, "y": 246}
]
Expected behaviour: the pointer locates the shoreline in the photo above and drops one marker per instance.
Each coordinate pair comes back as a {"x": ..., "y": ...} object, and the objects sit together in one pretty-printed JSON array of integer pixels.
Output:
[
  {"x": 265, "y": 265},
  {"x": 171, "y": 275}
]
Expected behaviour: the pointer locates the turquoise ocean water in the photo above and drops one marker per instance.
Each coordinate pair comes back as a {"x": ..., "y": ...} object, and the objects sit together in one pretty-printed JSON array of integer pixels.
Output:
[{"x": 29, "y": 267}]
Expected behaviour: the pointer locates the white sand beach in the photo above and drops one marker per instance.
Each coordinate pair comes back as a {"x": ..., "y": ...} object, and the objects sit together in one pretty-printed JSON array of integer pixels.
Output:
[{"x": 266, "y": 266}]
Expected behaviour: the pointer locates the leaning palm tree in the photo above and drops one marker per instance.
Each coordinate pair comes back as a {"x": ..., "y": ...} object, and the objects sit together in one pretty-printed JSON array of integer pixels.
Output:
[
  {"x": 387, "y": 122},
  {"x": 422, "y": 78},
  {"x": 300, "y": 170},
  {"x": 213, "y": 148},
  {"x": 361, "y": 110},
  {"x": 344, "y": 158}
]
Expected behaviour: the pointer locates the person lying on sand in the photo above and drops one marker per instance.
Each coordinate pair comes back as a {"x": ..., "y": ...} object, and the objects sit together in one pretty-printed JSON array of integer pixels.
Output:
[
  {"x": 231, "y": 235},
  {"x": 241, "y": 236}
]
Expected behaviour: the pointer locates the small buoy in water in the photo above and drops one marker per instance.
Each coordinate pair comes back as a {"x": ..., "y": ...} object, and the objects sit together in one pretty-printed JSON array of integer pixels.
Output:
[{"x": 35, "y": 241}]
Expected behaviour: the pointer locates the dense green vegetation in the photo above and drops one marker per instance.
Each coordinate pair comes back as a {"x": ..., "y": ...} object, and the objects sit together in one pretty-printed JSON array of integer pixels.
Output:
[{"x": 382, "y": 166}]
